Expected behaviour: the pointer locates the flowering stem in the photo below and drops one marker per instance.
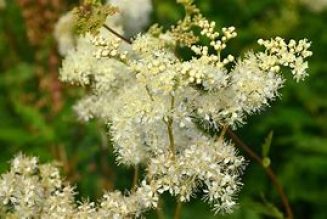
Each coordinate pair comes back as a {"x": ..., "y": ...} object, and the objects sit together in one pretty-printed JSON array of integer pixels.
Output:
[
  {"x": 170, "y": 128},
  {"x": 107, "y": 172},
  {"x": 160, "y": 213},
  {"x": 149, "y": 93},
  {"x": 135, "y": 177},
  {"x": 117, "y": 34},
  {"x": 178, "y": 209},
  {"x": 222, "y": 133},
  {"x": 171, "y": 137},
  {"x": 270, "y": 173}
]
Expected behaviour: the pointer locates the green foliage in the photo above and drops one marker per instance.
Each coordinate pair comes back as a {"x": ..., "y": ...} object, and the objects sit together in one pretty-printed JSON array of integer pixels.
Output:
[{"x": 267, "y": 209}]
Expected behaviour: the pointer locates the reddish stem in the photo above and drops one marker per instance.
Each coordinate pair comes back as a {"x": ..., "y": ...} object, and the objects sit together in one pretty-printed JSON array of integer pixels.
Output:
[{"x": 270, "y": 173}]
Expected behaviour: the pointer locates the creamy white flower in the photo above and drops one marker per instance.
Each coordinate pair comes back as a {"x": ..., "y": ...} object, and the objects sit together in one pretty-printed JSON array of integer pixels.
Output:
[
  {"x": 216, "y": 170},
  {"x": 254, "y": 86},
  {"x": 115, "y": 205},
  {"x": 81, "y": 66},
  {"x": 42, "y": 194},
  {"x": 86, "y": 210},
  {"x": 78, "y": 66},
  {"x": 279, "y": 53}
]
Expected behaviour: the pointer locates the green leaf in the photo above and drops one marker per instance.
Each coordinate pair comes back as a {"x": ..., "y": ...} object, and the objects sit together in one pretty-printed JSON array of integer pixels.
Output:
[
  {"x": 15, "y": 136},
  {"x": 17, "y": 75},
  {"x": 34, "y": 118},
  {"x": 266, "y": 145},
  {"x": 267, "y": 209}
]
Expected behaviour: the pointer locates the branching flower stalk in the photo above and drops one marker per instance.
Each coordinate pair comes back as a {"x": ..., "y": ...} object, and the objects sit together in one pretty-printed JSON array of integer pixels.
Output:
[
  {"x": 236, "y": 139},
  {"x": 162, "y": 111}
]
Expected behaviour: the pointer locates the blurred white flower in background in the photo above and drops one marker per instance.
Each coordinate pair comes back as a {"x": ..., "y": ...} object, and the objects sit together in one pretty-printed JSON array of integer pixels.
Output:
[
  {"x": 63, "y": 33},
  {"x": 2, "y": 4},
  {"x": 134, "y": 14},
  {"x": 315, "y": 5}
]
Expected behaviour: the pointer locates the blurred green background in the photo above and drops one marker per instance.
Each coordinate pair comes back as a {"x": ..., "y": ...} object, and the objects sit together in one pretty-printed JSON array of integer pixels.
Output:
[{"x": 36, "y": 115}]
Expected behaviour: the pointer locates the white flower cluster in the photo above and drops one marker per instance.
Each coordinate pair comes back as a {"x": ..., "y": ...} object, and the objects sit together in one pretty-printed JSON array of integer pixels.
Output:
[
  {"x": 155, "y": 101},
  {"x": 33, "y": 190},
  {"x": 253, "y": 81},
  {"x": 116, "y": 205},
  {"x": 279, "y": 53},
  {"x": 133, "y": 17},
  {"x": 30, "y": 189},
  {"x": 209, "y": 165}
]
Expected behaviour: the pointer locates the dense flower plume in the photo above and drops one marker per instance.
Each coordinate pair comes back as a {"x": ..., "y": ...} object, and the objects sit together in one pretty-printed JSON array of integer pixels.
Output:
[{"x": 162, "y": 110}]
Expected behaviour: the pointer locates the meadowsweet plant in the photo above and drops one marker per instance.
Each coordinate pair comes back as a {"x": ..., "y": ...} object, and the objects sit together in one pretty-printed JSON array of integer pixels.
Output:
[{"x": 167, "y": 114}]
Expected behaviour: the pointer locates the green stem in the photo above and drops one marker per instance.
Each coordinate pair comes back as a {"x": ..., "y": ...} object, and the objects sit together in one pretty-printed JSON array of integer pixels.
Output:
[
  {"x": 135, "y": 177},
  {"x": 178, "y": 210},
  {"x": 222, "y": 133},
  {"x": 149, "y": 92},
  {"x": 170, "y": 123},
  {"x": 160, "y": 213},
  {"x": 107, "y": 173}
]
